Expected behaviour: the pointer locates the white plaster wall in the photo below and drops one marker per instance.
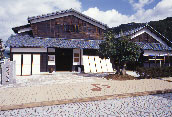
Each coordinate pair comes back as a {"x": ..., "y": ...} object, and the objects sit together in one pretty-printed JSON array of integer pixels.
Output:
[
  {"x": 36, "y": 64},
  {"x": 26, "y": 67},
  {"x": 17, "y": 58},
  {"x": 94, "y": 64},
  {"x": 28, "y": 49}
]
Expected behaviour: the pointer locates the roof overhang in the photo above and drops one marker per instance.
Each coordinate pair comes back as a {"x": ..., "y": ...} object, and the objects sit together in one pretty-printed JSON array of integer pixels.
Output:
[
  {"x": 27, "y": 41},
  {"x": 21, "y": 28}
]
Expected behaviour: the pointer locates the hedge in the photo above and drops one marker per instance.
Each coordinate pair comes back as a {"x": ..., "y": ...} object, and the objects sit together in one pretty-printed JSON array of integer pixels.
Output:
[{"x": 154, "y": 72}]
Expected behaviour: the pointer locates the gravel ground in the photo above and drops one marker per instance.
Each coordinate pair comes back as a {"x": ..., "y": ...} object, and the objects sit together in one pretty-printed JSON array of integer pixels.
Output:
[{"x": 142, "y": 106}]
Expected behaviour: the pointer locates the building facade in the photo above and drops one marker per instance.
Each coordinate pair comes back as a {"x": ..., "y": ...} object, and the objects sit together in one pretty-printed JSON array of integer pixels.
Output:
[
  {"x": 68, "y": 41},
  {"x": 60, "y": 41},
  {"x": 157, "y": 50}
]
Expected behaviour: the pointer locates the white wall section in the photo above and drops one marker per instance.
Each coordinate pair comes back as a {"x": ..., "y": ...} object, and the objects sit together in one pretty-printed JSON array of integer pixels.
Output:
[
  {"x": 17, "y": 58},
  {"x": 36, "y": 64},
  {"x": 26, "y": 67},
  {"x": 28, "y": 49},
  {"x": 95, "y": 64}
]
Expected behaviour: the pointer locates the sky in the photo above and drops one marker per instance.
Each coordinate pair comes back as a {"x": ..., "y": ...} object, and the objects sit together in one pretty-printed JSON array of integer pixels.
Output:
[{"x": 111, "y": 12}]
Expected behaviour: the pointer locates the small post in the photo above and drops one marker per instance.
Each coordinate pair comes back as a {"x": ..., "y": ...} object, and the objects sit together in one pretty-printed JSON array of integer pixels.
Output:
[
  {"x": 159, "y": 60},
  {"x": 155, "y": 61},
  {"x": 149, "y": 61},
  {"x": 168, "y": 60}
]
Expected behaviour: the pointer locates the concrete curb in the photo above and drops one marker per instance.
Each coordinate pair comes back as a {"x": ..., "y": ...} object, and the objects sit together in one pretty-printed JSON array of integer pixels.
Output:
[{"x": 75, "y": 100}]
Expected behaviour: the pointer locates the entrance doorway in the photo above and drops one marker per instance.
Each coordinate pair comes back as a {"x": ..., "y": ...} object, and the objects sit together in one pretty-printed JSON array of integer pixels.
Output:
[{"x": 64, "y": 59}]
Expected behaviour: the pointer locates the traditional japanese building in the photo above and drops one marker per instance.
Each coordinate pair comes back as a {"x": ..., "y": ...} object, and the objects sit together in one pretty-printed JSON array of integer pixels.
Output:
[
  {"x": 157, "y": 48},
  {"x": 68, "y": 40},
  {"x": 60, "y": 41}
]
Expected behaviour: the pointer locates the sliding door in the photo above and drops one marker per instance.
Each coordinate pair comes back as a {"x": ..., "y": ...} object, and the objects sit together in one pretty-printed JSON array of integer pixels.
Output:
[
  {"x": 36, "y": 64},
  {"x": 17, "y": 58},
  {"x": 26, "y": 67}
]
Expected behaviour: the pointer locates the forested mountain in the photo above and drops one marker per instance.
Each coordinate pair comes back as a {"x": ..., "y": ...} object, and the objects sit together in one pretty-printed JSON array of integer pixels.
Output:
[{"x": 162, "y": 26}]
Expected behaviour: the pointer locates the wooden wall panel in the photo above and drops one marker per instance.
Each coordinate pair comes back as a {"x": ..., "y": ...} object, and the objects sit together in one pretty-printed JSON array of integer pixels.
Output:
[
  {"x": 145, "y": 38},
  {"x": 55, "y": 28},
  {"x": 43, "y": 63}
]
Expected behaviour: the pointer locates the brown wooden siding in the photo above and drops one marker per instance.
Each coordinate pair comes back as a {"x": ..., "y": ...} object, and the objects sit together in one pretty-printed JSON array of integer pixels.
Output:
[
  {"x": 67, "y": 27},
  {"x": 43, "y": 62},
  {"x": 145, "y": 38}
]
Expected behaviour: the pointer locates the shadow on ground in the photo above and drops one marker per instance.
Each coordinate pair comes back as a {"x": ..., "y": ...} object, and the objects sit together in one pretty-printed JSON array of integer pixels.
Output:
[
  {"x": 99, "y": 75},
  {"x": 167, "y": 96}
]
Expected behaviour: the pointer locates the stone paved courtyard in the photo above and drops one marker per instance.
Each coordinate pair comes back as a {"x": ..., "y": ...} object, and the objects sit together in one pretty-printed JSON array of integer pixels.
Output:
[
  {"x": 61, "y": 88},
  {"x": 142, "y": 106}
]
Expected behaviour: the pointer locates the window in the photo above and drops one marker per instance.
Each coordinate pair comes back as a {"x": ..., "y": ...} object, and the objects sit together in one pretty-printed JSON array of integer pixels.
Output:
[
  {"x": 58, "y": 27},
  {"x": 76, "y": 28},
  {"x": 51, "y": 59},
  {"x": 99, "y": 31},
  {"x": 71, "y": 28},
  {"x": 76, "y": 57},
  {"x": 67, "y": 28}
]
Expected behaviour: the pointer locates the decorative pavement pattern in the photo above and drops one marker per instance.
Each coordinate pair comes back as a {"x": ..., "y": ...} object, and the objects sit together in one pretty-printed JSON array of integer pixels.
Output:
[{"x": 147, "y": 106}]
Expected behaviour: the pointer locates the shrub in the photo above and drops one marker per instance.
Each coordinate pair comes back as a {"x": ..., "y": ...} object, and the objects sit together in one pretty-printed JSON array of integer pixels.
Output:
[{"x": 154, "y": 72}]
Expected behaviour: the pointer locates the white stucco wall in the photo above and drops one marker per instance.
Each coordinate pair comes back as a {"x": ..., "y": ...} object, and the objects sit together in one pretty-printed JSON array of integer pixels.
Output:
[
  {"x": 28, "y": 49},
  {"x": 94, "y": 64}
]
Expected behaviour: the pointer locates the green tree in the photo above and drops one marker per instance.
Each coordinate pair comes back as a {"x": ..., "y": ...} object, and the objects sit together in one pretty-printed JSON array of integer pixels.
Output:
[{"x": 119, "y": 50}]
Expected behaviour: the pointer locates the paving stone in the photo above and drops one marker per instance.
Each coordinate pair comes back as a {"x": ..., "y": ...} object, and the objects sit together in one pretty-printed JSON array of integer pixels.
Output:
[
  {"x": 61, "y": 86},
  {"x": 159, "y": 105}
]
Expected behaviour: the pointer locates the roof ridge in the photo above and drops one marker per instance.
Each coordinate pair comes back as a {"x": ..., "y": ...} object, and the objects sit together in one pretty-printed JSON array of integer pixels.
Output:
[{"x": 64, "y": 11}]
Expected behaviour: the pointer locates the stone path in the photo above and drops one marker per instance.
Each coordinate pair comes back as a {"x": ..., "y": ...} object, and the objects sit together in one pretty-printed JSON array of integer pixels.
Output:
[
  {"x": 141, "y": 106},
  {"x": 67, "y": 87}
]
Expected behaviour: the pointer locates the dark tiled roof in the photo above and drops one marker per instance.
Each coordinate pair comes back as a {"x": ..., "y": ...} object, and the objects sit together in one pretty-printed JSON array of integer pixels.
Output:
[
  {"x": 63, "y": 12},
  {"x": 152, "y": 46},
  {"x": 27, "y": 41}
]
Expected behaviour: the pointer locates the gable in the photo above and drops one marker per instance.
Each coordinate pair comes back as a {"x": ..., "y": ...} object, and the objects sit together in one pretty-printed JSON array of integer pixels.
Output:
[
  {"x": 147, "y": 33},
  {"x": 70, "y": 12},
  {"x": 69, "y": 27},
  {"x": 145, "y": 37}
]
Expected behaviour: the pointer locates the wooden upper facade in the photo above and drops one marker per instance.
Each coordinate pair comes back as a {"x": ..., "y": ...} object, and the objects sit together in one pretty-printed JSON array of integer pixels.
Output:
[
  {"x": 68, "y": 25},
  {"x": 145, "y": 37}
]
